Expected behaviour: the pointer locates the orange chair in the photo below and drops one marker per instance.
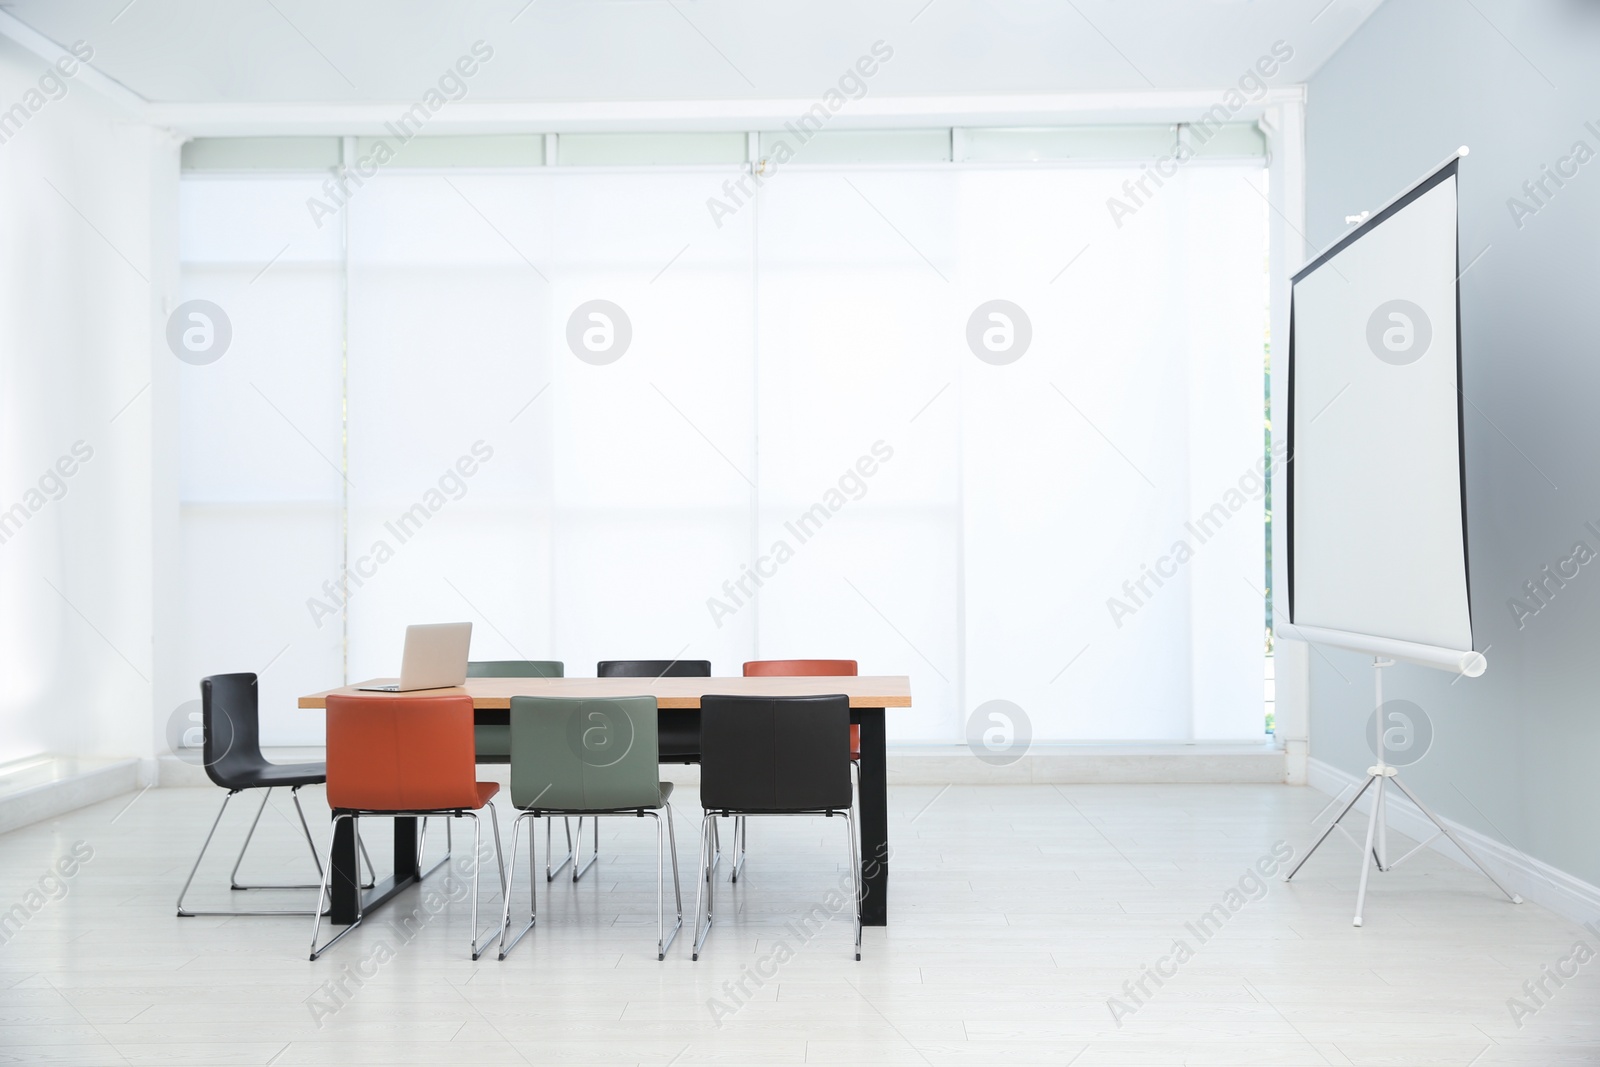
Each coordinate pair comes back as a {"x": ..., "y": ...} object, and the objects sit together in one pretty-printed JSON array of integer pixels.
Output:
[
  {"x": 797, "y": 668},
  {"x": 405, "y": 755},
  {"x": 809, "y": 668}
]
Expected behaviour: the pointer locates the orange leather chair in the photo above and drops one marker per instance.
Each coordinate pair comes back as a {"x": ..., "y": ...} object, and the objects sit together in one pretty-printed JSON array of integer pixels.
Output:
[
  {"x": 809, "y": 668},
  {"x": 406, "y": 755},
  {"x": 796, "y": 668}
]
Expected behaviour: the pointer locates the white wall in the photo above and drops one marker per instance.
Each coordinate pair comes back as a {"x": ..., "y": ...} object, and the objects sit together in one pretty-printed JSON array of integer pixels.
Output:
[{"x": 83, "y": 220}]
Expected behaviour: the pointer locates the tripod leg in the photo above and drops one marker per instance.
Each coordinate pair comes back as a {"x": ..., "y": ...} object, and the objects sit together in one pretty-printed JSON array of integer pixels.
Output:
[
  {"x": 1382, "y": 855},
  {"x": 1328, "y": 831},
  {"x": 1372, "y": 829},
  {"x": 1515, "y": 898}
]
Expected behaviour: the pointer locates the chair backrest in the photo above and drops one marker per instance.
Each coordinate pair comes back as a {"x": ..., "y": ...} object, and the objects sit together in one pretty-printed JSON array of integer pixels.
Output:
[
  {"x": 230, "y": 719},
  {"x": 775, "y": 753},
  {"x": 579, "y": 754},
  {"x": 401, "y": 753},
  {"x": 800, "y": 668},
  {"x": 653, "y": 668},
  {"x": 516, "y": 668}
]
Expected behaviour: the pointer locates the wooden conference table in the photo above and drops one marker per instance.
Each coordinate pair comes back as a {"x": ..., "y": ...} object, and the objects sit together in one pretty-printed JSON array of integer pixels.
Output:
[{"x": 491, "y": 700}]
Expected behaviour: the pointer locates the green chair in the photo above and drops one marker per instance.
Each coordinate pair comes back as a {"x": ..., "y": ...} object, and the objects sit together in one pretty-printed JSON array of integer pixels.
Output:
[
  {"x": 494, "y": 739},
  {"x": 572, "y": 756},
  {"x": 494, "y": 746}
]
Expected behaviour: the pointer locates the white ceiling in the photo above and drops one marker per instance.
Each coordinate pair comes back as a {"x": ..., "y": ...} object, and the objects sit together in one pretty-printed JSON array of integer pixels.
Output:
[{"x": 371, "y": 51}]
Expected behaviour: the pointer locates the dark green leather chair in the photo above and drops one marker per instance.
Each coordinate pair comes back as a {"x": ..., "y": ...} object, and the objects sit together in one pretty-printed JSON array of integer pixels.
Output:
[
  {"x": 493, "y": 742},
  {"x": 494, "y": 739},
  {"x": 573, "y": 756}
]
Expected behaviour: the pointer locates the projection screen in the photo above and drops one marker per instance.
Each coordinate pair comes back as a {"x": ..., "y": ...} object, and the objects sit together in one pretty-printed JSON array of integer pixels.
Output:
[{"x": 1376, "y": 501}]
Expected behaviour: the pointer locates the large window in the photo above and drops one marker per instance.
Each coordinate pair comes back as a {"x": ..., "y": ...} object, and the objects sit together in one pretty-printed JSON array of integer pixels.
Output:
[{"x": 818, "y": 441}]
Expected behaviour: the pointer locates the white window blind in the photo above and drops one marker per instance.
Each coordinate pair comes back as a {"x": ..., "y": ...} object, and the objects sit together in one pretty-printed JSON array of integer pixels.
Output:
[
  {"x": 798, "y": 404},
  {"x": 260, "y": 437}
]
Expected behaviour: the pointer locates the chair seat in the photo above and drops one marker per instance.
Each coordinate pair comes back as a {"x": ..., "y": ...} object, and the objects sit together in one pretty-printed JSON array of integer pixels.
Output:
[
  {"x": 775, "y": 811},
  {"x": 664, "y": 787},
  {"x": 486, "y": 793},
  {"x": 277, "y": 774}
]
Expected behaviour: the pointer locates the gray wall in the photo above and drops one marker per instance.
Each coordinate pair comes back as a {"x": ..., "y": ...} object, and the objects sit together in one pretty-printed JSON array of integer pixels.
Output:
[{"x": 1516, "y": 752}]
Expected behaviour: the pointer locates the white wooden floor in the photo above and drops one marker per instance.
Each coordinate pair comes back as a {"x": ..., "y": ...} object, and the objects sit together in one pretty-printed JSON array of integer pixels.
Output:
[{"x": 1016, "y": 913}]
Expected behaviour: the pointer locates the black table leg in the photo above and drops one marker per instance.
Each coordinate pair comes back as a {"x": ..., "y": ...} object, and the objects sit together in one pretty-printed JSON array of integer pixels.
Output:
[
  {"x": 344, "y": 883},
  {"x": 344, "y": 886},
  {"x": 407, "y": 865},
  {"x": 874, "y": 819}
]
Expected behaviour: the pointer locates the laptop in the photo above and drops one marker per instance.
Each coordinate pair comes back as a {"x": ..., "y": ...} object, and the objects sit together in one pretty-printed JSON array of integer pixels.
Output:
[{"x": 435, "y": 658}]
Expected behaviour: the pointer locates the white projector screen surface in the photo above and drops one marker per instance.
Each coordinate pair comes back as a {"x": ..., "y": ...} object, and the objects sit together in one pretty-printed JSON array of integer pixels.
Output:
[{"x": 1377, "y": 535}]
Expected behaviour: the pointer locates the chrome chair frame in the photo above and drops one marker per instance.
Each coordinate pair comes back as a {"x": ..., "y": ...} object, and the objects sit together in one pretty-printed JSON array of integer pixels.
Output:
[
  {"x": 706, "y": 886},
  {"x": 233, "y": 877},
  {"x": 663, "y": 940},
  {"x": 572, "y": 852},
  {"x": 478, "y": 946},
  {"x": 741, "y": 831},
  {"x": 741, "y": 837}
]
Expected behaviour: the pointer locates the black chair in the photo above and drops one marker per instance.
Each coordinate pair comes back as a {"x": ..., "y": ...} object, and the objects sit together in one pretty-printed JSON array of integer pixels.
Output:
[
  {"x": 679, "y": 733},
  {"x": 230, "y": 719},
  {"x": 678, "y": 729},
  {"x": 774, "y": 756}
]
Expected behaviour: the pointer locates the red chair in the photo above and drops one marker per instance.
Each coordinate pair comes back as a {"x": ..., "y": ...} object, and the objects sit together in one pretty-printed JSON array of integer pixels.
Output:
[
  {"x": 406, "y": 755},
  {"x": 798, "y": 668}
]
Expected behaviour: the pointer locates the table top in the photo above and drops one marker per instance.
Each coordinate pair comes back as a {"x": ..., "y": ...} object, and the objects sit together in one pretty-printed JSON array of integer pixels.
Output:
[{"x": 864, "y": 691}]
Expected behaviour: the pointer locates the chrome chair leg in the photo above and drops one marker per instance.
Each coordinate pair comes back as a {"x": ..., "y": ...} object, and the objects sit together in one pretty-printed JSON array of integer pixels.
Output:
[
  {"x": 322, "y": 890},
  {"x": 549, "y": 871},
  {"x": 477, "y": 871},
  {"x": 533, "y": 885},
  {"x": 577, "y": 871},
  {"x": 193, "y": 870},
  {"x": 294, "y": 793},
  {"x": 707, "y": 828},
  {"x": 372, "y": 872},
  {"x": 233, "y": 877},
  {"x": 663, "y": 941},
  {"x": 855, "y": 875},
  {"x": 499, "y": 857},
  {"x": 672, "y": 839},
  {"x": 741, "y": 837},
  {"x": 422, "y": 846},
  {"x": 185, "y": 913}
]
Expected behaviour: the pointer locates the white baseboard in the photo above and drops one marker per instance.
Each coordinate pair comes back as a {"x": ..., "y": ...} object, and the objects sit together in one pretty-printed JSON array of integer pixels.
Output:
[
  {"x": 1123, "y": 763},
  {"x": 54, "y": 787},
  {"x": 1126, "y": 763},
  {"x": 1567, "y": 896}
]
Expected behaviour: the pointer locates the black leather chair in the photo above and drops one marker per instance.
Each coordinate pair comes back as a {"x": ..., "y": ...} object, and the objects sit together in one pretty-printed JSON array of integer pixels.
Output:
[
  {"x": 679, "y": 728},
  {"x": 230, "y": 719},
  {"x": 773, "y": 756}
]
